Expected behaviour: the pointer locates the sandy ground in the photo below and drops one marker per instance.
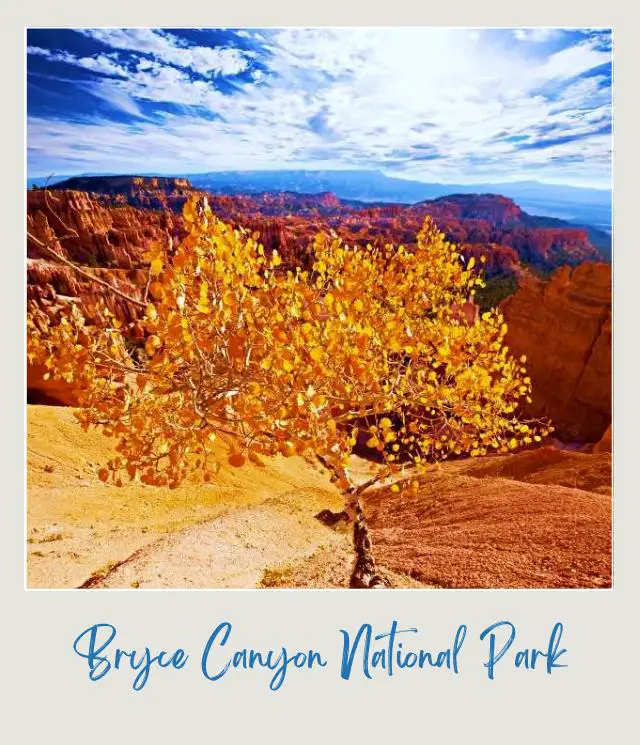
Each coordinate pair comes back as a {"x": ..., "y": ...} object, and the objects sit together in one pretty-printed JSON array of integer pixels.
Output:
[
  {"x": 535, "y": 519},
  {"x": 255, "y": 527}
]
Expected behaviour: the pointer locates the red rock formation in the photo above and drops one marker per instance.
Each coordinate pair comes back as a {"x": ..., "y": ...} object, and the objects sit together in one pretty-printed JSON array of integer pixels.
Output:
[
  {"x": 605, "y": 445},
  {"x": 153, "y": 193},
  {"x": 488, "y": 222},
  {"x": 499, "y": 259},
  {"x": 107, "y": 241},
  {"x": 80, "y": 228},
  {"x": 50, "y": 392},
  {"x": 563, "y": 325},
  {"x": 492, "y": 208}
]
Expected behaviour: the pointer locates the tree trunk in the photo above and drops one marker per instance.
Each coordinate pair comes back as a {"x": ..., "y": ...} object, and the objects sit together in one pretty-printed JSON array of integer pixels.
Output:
[{"x": 364, "y": 574}]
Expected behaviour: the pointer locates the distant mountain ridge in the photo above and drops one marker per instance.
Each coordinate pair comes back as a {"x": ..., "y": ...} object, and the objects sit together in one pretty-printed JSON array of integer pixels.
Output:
[
  {"x": 578, "y": 205},
  {"x": 574, "y": 204},
  {"x": 500, "y": 211}
]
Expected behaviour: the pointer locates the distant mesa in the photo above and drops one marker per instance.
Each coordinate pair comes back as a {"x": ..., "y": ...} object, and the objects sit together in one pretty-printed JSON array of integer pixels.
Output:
[{"x": 118, "y": 184}]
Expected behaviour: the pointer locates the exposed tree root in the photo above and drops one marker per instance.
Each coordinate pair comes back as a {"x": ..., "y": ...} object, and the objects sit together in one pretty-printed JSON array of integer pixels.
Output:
[
  {"x": 364, "y": 574},
  {"x": 327, "y": 517}
]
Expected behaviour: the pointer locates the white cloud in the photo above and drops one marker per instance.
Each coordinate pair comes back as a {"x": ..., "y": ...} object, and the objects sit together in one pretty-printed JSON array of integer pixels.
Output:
[
  {"x": 103, "y": 63},
  {"x": 168, "y": 48},
  {"x": 356, "y": 98},
  {"x": 572, "y": 61},
  {"x": 535, "y": 35}
]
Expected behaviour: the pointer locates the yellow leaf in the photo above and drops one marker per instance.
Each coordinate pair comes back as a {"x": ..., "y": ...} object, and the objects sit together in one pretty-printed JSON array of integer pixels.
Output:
[
  {"x": 235, "y": 347},
  {"x": 151, "y": 344},
  {"x": 288, "y": 449},
  {"x": 158, "y": 290},
  {"x": 236, "y": 460},
  {"x": 189, "y": 211}
]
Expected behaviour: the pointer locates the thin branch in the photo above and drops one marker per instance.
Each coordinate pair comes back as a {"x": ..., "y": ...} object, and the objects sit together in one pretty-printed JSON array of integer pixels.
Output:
[
  {"x": 337, "y": 471},
  {"x": 374, "y": 480},
  {"x": 145, "y": 295}
]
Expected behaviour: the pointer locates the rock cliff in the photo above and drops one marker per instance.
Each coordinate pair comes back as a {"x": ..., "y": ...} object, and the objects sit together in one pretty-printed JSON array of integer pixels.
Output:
[
  {"x": 563, "y": 325},
  {"x": 84, "y": 230},
  {"x": 107, "y": 240}
]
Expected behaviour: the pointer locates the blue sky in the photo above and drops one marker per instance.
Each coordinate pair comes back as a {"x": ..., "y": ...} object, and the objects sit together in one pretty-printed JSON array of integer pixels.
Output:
[{"x": 432, "y": 104}]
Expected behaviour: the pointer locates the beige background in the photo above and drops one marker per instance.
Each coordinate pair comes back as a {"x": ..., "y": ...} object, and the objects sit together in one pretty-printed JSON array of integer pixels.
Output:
[{"x": 47, "y": 696}]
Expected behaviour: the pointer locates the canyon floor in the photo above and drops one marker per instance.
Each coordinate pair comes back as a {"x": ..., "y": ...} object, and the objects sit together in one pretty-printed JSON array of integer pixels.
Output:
[{"x": 531, "y": 520}]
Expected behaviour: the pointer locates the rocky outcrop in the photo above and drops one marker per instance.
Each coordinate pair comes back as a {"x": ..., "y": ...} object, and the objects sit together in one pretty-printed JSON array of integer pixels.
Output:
[
  {"x": 80, "y": 228},
  {"x": 605, "y": 445},
  {"x": 52, "y": 392},
  {"x": 499, "y": 260},
  {"x": 108, "y": 242},
  {"x": 146, "y": 192},
  {"x": 493, "y": 208},
  {"x": 489, "y": 223},
  {"x": 563, "y": 325}
]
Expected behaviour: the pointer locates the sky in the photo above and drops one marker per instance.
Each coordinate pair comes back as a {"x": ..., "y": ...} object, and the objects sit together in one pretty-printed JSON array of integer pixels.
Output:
[{"x": 429, "y": 104}]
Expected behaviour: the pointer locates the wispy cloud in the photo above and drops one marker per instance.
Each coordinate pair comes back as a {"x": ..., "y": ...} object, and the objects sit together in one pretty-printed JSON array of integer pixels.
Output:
[
  {"x": 535, "y": 35},
  {"x": 169, "y": 48},
  {"x": 106, "y": 64},
  {"x": 437, "y": 104}
]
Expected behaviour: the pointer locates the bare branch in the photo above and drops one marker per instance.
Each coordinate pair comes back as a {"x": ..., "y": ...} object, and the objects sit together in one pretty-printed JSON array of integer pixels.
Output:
[{"x": 367, "y": 484}]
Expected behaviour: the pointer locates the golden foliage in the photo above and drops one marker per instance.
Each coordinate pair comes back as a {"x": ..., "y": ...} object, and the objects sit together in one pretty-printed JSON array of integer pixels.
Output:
[{"x": 371, "y": 343}]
